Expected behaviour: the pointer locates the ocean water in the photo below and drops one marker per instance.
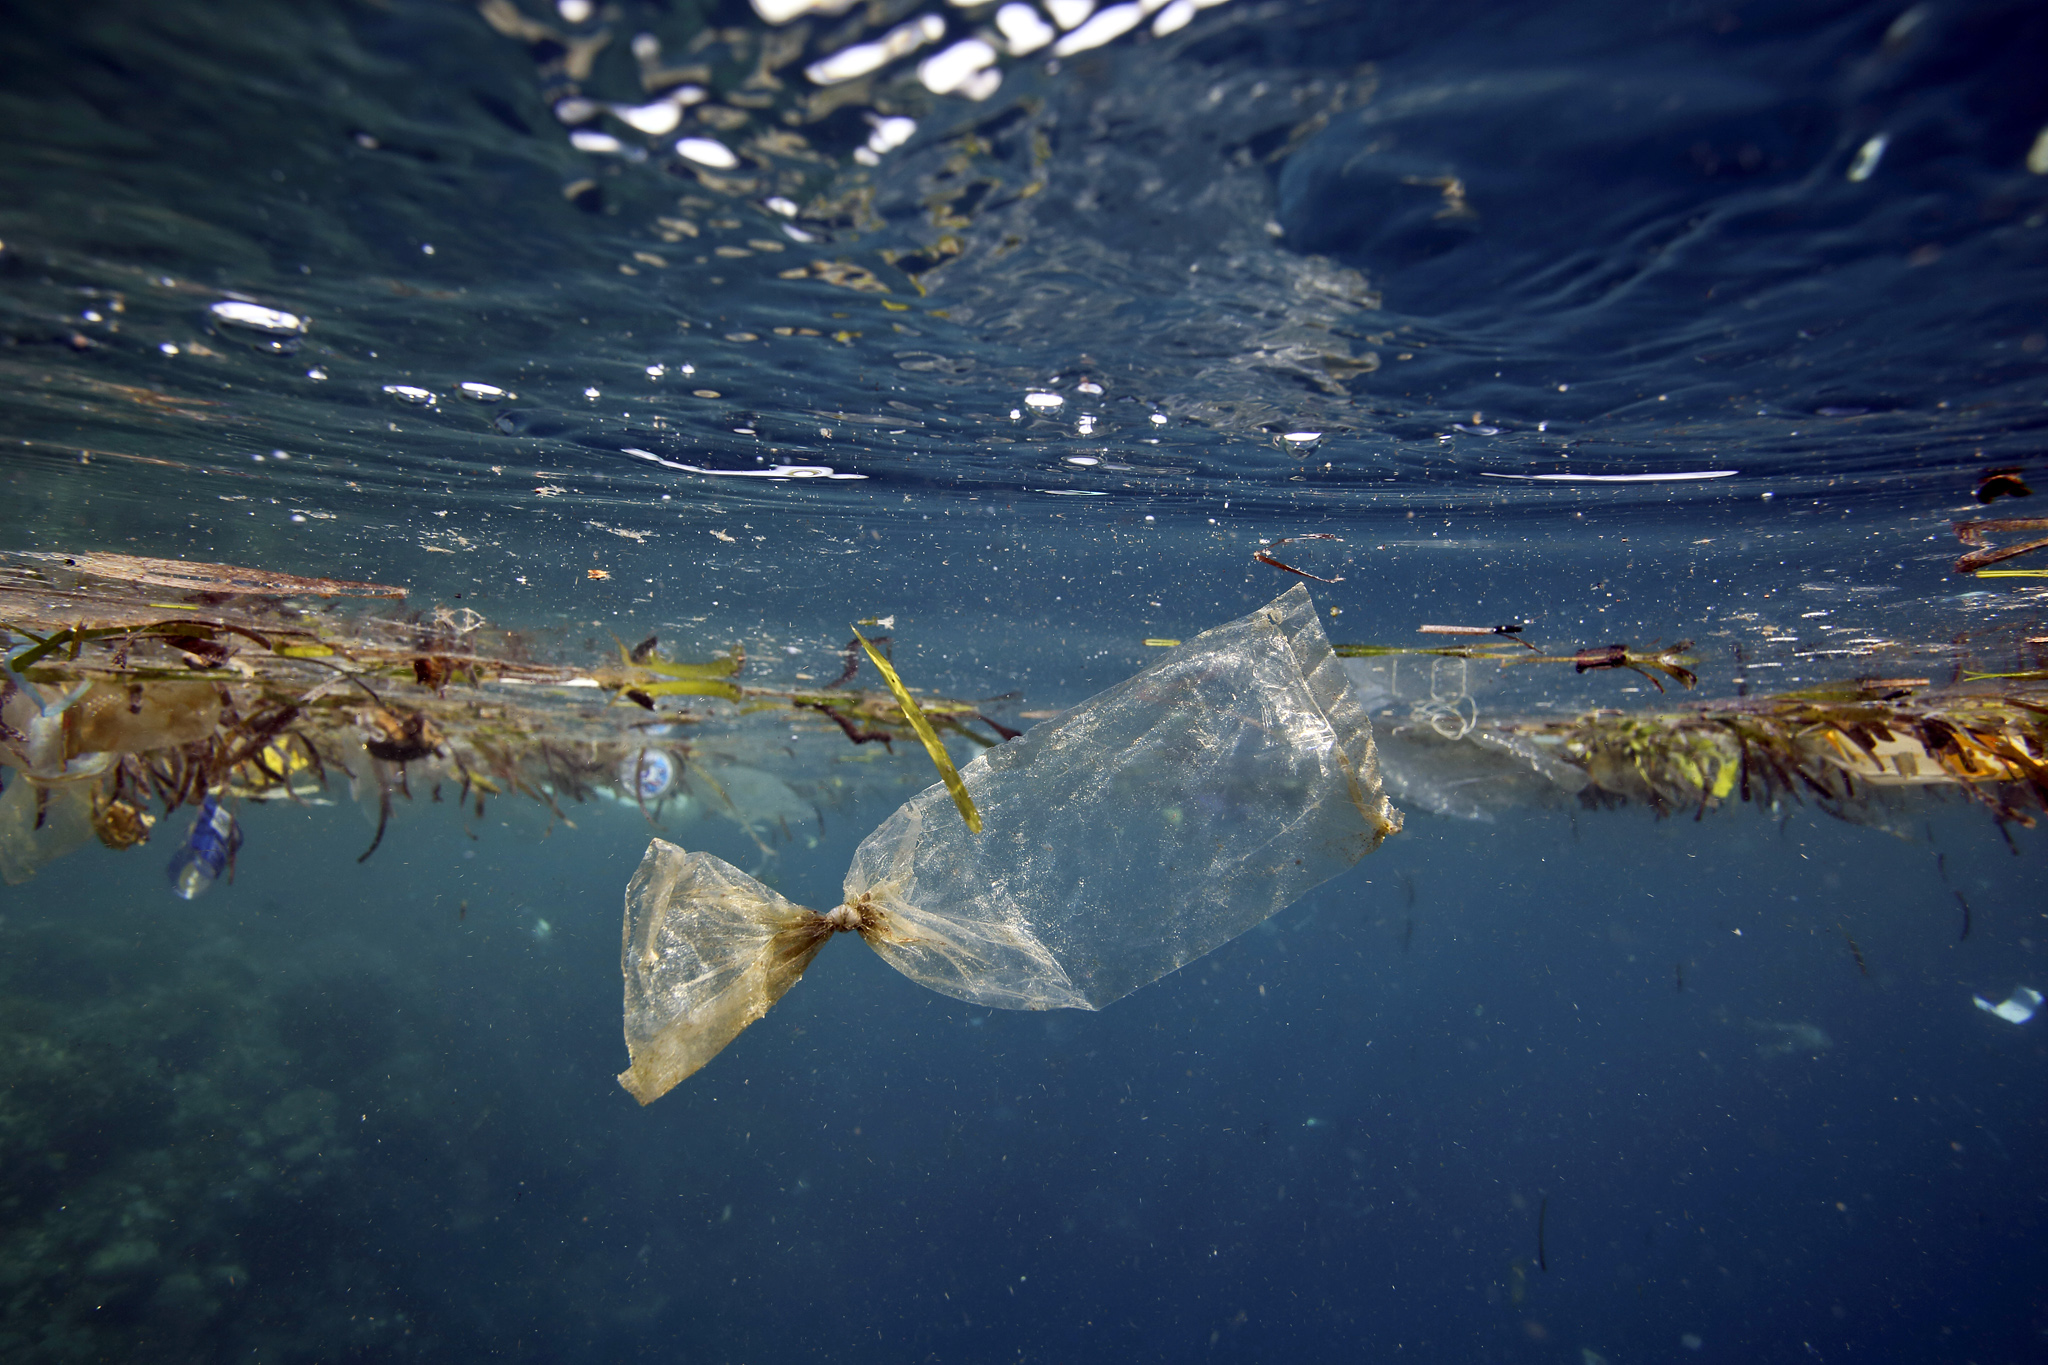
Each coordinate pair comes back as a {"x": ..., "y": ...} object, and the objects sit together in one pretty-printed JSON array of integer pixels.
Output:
[{"x": 1619, "y": 322}]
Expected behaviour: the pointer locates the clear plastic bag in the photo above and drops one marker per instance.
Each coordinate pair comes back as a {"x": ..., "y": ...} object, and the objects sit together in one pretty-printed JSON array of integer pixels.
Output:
[{"x": 1144, "y": 828}]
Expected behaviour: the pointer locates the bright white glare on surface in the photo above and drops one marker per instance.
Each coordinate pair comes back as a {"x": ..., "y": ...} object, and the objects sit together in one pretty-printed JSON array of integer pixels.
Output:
[
  {"x": 576, "y": 109},
  {"x": 2037, "y": 155},
  {"x": 1085, "y": 424},
  {"x": 850, "y": 63},
  {"x": 707, "y": 152},
  {"x": 1173, "y": 18},
  {"x": 1083, "y": 460},
  {"x": 777, "y": 204},
  {"x": 1112, "y": 23},
  {"x": 408, "y": 393},
  {"x": 1067, "y": 13},
  {"x": 654, "y": 119},
  {"x": 1087, "y": 386},
  {"x": 2016, "y": 1008},
  {"x": 1023, "y": 29},
  {"x": 782, "y": 11},
  {"x": 1616, "y": 478},
  {"x": 574, "y": 11},
  {"x": 478, "y": 392},
  {"x": 1044, "y": 401},
  {"x": 944, "y": 72},
  {"x": 1867, "y": 157},
  {"x": 590, "y": 140},
  {"x": 781, "y": 471},
  {"x": 656, "y": 371},
  {"x": 889, "y": 134},
  {"x": 1302, "y": 438},
  {"x": 275, "y": 321}
]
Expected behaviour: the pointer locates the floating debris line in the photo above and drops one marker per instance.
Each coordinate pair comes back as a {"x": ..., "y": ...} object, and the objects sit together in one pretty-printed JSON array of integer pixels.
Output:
[
  {"x": 134, "y": 687},
  {"x": 132, "y": 683}
]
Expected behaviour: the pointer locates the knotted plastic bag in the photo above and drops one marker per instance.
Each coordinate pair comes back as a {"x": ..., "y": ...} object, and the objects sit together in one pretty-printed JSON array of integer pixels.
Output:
[{"x": 1149, "y": 825}]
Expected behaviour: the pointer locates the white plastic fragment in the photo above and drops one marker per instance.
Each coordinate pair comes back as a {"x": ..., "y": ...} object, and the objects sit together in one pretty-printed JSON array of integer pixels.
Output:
[{"x": 2016, "y": 1008}]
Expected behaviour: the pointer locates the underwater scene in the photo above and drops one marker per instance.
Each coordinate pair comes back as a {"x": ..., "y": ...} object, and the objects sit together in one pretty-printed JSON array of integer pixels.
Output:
[{"x": 1414, "y": 638}]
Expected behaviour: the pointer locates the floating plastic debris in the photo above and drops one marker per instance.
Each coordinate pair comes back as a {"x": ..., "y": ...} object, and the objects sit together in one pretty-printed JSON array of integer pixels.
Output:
[
  {"x": 135, "y": 682},
  {"x": 647, "y": 774},
  {"x": 2016, "y": 1008},
  {"x": 209, "y": 849},
  {"x": 1140, "y": 830}
]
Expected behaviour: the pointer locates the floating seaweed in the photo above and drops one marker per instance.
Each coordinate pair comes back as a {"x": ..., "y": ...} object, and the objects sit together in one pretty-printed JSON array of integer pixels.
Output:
[
  {"x": 1845, "y": 749},
  {"x": 135, "y": 686}
]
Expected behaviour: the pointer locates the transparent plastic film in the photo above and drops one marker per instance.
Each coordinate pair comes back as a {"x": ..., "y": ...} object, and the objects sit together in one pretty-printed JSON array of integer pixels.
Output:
[
  {"x": 1135, "y": 833},
  {"x": 707, "y": 950},
  {"x": 1144, "y": 828}
]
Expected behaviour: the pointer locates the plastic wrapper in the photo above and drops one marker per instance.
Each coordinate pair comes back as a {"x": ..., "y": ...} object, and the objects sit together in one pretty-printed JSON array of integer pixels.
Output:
[{"x": 1147, "y": 826}]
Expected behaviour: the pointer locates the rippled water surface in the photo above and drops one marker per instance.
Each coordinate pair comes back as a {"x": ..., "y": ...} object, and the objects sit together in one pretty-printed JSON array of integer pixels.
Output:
[{"x": 1027, "y": 328}]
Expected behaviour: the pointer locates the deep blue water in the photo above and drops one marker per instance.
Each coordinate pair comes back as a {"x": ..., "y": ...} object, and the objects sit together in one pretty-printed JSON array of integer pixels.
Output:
[{"x": 324, "y": 1114}]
